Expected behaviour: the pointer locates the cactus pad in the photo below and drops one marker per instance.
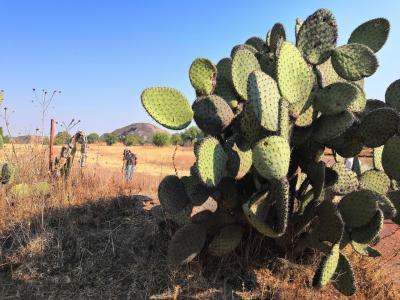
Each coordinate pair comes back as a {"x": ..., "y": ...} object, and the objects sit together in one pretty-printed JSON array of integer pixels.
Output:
[
  {"x": 358, "y": 208},
  {"x": 244, "y": 62},
  {"x": 264, "y": 95},
  {"x": 294, "y": 76},
  {"x": 327, "y": 74},
  {"x": 277, "y": 37},
  {"x": 378, "y": 126},
  {"x": 377, "y": 158},
  {"x": 335, "y": 98},
  {"x": 330, "y": 127},
  {"x": 172, "y": 195},
  {"x": 317, "y": 36},
  {"x": 186, "y": 244},
  {"x": 202, "y": 74},
  {"x": 372, "y": 33},
  {"x": 249, "y": 127},
  {"x": 327, "y": 267},
  {"x": 365, "y": 249},
  {"x": 367, "y": 233},
  {"x": 394, "y": 197},
  {"x": 390, "y": 158},
  {"x": 240, "y": 160},
  {"x": 7, "y": 173},
  {"x": 212, "y": 114},
  {"x": 226, "y": 240},
  {"x": 195, "y": 190},
  {"x": 376, "y": 181},
  {"x": 331, "y": 226},
  {"x": 343, "y": 279},
  {"x": 354, "y": 61},
  {"x": 168, "y": 107},
  {"x": 347, "y": 180},
  {"x": 271, "y": 157},
  {"x": 211, "y": 162},
  {"x": 392, "y": 95},
  {"x": 257, "y": 43}
]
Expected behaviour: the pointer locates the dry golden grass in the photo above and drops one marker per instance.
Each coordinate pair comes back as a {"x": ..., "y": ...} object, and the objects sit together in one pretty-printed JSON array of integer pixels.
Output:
[{"x": 93, "y": 237}]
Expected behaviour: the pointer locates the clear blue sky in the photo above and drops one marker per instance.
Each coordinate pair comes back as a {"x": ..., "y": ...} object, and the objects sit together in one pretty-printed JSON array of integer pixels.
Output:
[{"x": 102, "y": 54}]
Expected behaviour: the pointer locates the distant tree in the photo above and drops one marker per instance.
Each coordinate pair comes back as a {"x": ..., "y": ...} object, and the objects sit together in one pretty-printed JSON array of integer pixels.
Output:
[
  {"x": 176, "y": 139},
  {"x": 62, "y": 137},
  {"x": 6, "y": 139},
  {"x": 110, "y": 138},
  {"x": 161, "y": 139},
  {"x": 132, "y": 140},
  {"x": 93, "y": 138},
  {"x": 191, "y": 135}
]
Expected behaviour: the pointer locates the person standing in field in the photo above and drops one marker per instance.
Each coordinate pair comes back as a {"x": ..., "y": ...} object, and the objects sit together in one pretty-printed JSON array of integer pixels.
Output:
[{"x": 129, "y": 164}]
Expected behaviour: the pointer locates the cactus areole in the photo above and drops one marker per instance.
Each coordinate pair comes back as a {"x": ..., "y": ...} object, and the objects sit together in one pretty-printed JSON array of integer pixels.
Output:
[{"x": 269, "y": 112}]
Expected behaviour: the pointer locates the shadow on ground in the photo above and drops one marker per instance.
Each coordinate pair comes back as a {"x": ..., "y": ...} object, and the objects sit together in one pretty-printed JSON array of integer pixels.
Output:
[{"x": 110, "y": 249}]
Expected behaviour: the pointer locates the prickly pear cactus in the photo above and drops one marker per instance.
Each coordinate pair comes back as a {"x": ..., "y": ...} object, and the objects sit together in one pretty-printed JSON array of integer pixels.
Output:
[{"x": 269, "y": 112}]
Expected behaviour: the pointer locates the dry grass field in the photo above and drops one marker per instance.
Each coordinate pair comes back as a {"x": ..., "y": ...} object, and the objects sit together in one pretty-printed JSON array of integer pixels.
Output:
[{"x": 94, "y": 236}]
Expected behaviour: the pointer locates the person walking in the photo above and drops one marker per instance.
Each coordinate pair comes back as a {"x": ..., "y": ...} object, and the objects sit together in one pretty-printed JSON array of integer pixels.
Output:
[{"x": 129, "y": 164}]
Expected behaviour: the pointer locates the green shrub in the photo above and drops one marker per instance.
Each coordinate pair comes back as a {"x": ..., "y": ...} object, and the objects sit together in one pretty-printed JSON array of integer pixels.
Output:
[
  {"x": 132, "y": 140},
  {"x": 176, "y": 139},
  {"x": 110, "y": 138},
  {"x": 161, "y": 139},
  {"x": 93, "y": 138},
  {"x": 62, "y": 138}
]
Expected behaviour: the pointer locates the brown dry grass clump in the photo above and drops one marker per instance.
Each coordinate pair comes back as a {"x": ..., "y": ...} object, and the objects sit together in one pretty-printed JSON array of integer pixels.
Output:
[{"x": 94, "y": 237}]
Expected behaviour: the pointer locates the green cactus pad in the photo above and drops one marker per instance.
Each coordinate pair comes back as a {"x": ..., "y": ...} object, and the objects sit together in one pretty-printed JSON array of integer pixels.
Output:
[
  {"x": 277, "y": 37},
  {"x": 284, "y": 119},
  {"x": 303, "y": 112},
  {"x": 327, "y": 267},
  {"x": 244, "y": 62},
  {"x": 271, "y": 157},
  {"x": 335, "y": 98},
  {"x": 349, "y": 144},
  {"x": 347, "y": 180},
  {"x": 343, "y": 279},
  {"x": 394, "y": 197},
  {"x": 317, "y": 36},
  {"x": 378, "y": 126},
  {"x": 243, "y": 47},
  {"x": 167, "y": 107},
  {"x": 7, "y": 173},
  {"x": 377, "y": 158},
  {"x": 211, "y": 162},
  {"x": 268, "y": 64},
  {"x": 367, "y": 233},
  {"x": 172, "y": 195},
  {"x": 365, "y": 250},
  {"x": 181, "y": 218},
  {"x": 186, "y": 244},
  {"x": 354, "y": 61},
  {"x": 373, "y": 104},
  {"x": 226, "y": 240},
  {"x": 330, "y": 127},
  {"x": 372, "y": 33},
  {"x": 219, "y": 220},
  {"x": 240, "y": 160},
  {"x": 251, "y": 211},
  {"x": 257, "y": 43},
  {"x": 250, "y": 127},
  {"x": 202, "y": 74},
  {"x": 358, "y": 208},
  {"x": 280, "y": 193},
  {"x": 294, "y": 76},
  {"x": 392, "y": 95},
  {"x": 224, "y": 69},
  {"x": 376, "y": 181},
  {"x": 331, "y": 226},
  {"x": 225, "y": 90},
  {"x": 196, "y": 191},
  {"x": 227, "y": 194},
  {"x": 390, "y": 158},
  {"x": 316, "y": 173},
  {"x": 212, "y": 114},
  {"x": 327, "y": 74},
  {"x": 264, "y": 95}
]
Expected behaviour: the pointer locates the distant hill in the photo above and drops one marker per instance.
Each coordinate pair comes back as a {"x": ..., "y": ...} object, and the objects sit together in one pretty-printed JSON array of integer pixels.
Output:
[{"x": 143, "y": 130}]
